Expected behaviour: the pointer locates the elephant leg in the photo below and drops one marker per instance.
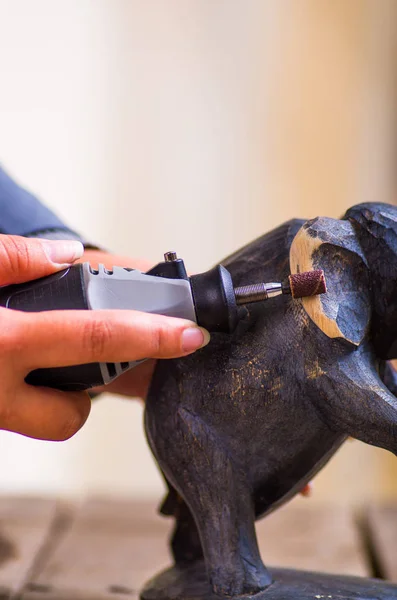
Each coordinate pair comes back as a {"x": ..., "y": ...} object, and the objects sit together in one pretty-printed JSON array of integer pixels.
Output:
[
  {"x": 354, "y": 399},
  {"x": 185, "y": 539},
  {"x": 219, "y": 497}
]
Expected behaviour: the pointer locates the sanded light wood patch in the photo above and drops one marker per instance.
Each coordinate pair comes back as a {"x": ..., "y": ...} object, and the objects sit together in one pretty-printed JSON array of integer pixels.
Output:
[{"x": 301, "y": 259}]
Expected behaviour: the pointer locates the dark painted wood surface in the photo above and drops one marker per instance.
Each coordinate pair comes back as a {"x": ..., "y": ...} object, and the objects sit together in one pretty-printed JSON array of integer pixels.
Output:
[{"x": 106, "y": 549}]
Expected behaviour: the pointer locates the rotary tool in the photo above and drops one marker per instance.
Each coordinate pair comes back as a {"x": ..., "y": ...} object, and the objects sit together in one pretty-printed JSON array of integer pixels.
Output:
[{"x": 209, "y": 299}]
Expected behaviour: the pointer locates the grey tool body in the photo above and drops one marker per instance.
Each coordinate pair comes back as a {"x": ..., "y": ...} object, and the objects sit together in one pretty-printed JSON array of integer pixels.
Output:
[{"x": 133, "y": 290}]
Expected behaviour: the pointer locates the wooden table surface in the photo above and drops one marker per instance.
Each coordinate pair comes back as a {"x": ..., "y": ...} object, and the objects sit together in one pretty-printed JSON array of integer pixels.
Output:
[{"x": 107, "y": 548}]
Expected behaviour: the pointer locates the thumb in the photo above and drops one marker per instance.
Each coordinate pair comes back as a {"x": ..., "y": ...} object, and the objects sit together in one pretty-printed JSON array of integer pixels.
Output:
[{"x": 23, "y": 259}]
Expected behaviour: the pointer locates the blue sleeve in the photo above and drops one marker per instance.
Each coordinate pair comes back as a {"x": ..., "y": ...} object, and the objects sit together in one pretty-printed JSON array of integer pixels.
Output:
[{"x": 21, "y": 213}]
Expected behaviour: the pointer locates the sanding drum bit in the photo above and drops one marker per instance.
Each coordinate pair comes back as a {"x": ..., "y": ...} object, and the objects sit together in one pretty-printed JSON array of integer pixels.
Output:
[{"x": 300, "y": 285}]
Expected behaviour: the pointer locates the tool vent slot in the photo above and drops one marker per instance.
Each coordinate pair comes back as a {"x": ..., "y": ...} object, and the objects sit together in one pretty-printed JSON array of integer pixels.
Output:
[{"x": 111, "y": 367}]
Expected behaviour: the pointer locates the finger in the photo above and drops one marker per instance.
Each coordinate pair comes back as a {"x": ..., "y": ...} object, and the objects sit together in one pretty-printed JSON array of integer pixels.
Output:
[
  {"x": 96, "y": 257},
  {"x": 46, "y": 414},
  {"x": 23, "y": 259},
  {"x": 64, "y": 338}
]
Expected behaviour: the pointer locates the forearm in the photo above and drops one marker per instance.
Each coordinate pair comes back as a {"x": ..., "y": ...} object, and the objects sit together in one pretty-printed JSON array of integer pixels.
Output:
[{"x": 21, "y": 213}]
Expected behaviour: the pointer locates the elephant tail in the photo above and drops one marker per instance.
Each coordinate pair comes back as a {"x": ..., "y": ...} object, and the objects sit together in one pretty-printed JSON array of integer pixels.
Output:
[{"x": 171, "y": 504}]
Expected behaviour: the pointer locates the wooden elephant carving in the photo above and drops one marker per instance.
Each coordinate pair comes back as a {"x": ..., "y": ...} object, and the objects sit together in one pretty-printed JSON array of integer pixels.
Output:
[{"x": 241, "y": 426}]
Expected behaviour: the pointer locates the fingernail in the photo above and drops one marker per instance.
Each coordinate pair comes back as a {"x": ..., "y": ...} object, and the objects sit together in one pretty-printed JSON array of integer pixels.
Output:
[
  {"x": 194, "y": 338},
  {"x": 63, "y": 251}
]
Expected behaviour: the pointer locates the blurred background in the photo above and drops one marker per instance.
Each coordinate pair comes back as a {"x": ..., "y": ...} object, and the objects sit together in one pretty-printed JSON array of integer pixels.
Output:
[{"x": 193, "y": 125}]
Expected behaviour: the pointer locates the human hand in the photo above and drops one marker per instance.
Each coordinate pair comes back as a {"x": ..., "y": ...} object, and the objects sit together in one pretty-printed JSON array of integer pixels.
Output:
[
  {"x": 63, "y": 338},
  {"x": 135, "y": 382}
]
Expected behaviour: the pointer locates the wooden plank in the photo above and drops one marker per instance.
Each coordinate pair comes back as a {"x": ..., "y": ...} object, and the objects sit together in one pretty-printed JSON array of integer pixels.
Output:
[
  {"x": 302, "y": 536},
  {"x": 114, "y": 546},
  {"x": 110, "y": 550},
  {"x": 24, "y": 529},
  {"x": 382, "y": 539}
]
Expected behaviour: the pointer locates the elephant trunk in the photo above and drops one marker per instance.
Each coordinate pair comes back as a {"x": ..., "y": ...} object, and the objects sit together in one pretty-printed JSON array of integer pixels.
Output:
[{"x": 376, "y": 230}]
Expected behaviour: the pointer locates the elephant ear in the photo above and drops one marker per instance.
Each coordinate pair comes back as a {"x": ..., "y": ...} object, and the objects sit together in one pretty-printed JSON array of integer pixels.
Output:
[{"x": 344, "y": 311}]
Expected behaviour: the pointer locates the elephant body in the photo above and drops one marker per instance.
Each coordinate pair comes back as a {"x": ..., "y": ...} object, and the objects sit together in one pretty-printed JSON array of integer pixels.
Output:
[{"x": 242, "y": 425}]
